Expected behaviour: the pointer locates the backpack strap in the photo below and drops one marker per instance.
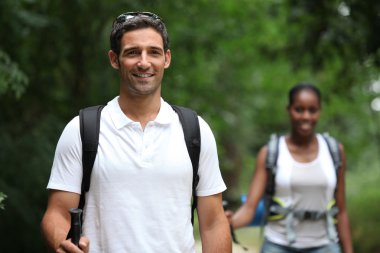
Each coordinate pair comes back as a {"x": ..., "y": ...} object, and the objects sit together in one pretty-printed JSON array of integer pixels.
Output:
[
  {"x": 89, "y": 119},
  {"x": 271, "y": 167},
  {"x": 333, "y": 146},
  {"x": 271, "y": 162},
  {"x": 89, "y": 125},
  {"x": 190, "y": 125}
]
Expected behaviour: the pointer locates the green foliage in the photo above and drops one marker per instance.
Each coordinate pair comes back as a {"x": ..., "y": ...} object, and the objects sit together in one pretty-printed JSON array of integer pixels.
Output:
[
  {"x": 11, "y": 77},
  {"x": 363, "y": 208},
  {"x": 2, "y": 198}
]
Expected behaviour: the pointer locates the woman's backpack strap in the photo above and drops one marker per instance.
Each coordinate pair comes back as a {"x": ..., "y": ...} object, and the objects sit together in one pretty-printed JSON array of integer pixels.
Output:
[{"x": 333, "y": 146}]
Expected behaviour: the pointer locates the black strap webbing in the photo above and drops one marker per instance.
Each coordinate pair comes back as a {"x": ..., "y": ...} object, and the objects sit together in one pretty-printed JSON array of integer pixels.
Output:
[
  {"x": 271, "y": 167},
  {"x": 89, "y": 125},
  {"x": 192, "y": 134},
  {"x": 271, "y": 162},
  {"x": 333, "y": 146},
  {"x": 89, "y": 130}
]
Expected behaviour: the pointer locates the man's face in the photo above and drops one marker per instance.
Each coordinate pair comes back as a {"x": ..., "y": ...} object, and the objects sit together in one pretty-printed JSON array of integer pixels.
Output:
[{"x": 141, "y": 62}]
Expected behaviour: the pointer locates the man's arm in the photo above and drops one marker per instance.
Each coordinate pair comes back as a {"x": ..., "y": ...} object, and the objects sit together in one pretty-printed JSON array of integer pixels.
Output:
[
  {"x": 55, "y": 223},
  {"x": 213, "y": 225}
]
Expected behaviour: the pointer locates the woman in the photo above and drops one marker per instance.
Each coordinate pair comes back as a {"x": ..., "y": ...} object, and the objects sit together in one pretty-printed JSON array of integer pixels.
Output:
[{"x": 305, "y": 180}]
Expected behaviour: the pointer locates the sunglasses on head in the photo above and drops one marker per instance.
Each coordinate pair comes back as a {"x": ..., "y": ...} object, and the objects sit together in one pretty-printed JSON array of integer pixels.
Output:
[{"x": 128, "y": 15}]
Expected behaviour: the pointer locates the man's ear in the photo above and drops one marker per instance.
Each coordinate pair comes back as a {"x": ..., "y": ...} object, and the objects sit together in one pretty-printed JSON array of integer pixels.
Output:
[
  {"x": 114, "y": 60},
  {"x": 167, "y": 58}
]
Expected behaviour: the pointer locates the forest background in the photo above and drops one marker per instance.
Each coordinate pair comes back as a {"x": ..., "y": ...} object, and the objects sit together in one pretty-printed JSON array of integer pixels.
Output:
[{"x": 233, "y": 61}]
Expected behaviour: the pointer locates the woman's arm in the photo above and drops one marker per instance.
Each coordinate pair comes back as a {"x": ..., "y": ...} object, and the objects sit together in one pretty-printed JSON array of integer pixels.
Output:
[
  {"x": 344, "y": 231},
  {"x": 244, "y": 215}
]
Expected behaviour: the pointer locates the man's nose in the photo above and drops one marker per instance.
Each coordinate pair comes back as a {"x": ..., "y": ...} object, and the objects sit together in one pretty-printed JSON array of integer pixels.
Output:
[{"x": 144, "y": 60}]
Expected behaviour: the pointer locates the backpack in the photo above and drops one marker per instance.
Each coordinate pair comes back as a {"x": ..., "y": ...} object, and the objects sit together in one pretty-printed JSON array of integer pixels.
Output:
[
  {"x": 89, "y": 119},
  {"x": 262, "y": 210},
  {"x": 272, "y": 155},
  {"x": 274, "y": 210}
]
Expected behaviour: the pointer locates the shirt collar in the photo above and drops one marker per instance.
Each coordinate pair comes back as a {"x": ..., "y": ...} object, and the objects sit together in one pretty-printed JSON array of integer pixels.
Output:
[{"x": 165, "y": 116}]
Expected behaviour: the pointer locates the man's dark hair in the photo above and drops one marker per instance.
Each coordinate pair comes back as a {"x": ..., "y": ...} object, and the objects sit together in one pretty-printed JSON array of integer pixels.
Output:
[
  {"x": 131, "y": 21},
  {"x": 303, "y": 86}
]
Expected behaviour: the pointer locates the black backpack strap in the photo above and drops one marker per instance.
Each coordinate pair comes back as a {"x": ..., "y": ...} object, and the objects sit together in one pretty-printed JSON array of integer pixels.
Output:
[
  {"x": 271, "y": 162},
  {"x": 271, "y": 167},
  {"x": 89, "y": 119},
  {"x": 333, "y": 146},
  {"x": 190, "y": 125},
  {"x": 89, "y": 124}
]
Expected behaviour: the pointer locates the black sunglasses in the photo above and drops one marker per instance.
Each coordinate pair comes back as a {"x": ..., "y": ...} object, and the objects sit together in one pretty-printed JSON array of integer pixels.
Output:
[{"x": 128, "y": 15}]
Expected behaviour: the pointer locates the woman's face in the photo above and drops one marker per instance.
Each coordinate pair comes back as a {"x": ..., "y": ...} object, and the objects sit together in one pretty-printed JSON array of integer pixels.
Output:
[{"x": 304, "y": 112}]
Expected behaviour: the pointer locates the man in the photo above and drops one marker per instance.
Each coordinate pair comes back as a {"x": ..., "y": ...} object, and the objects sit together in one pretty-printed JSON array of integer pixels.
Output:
[{"x": 140, "y": 194}]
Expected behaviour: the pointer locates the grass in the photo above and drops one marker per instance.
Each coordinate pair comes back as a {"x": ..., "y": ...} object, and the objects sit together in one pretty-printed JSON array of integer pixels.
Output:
[{"x": 249, "y": 237}]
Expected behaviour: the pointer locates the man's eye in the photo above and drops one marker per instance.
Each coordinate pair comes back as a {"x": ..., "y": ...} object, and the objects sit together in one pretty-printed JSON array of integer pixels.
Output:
[
  {"x": 298, "y": 109},
  {"x": 156, "y": 52},
  {"x": 132, "y": 52}
]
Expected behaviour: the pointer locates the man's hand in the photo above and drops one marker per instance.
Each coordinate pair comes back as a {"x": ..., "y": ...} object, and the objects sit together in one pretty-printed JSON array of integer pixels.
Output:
[{"x": 68, "y": 247}]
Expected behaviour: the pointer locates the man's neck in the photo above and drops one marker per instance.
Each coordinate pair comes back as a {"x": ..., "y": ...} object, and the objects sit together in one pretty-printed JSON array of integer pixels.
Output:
[{"x": 140, "y": 109}]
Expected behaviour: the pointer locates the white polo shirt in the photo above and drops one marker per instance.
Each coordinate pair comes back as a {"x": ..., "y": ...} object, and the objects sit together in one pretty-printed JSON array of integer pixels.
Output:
[{"x": 140, "y": 193}]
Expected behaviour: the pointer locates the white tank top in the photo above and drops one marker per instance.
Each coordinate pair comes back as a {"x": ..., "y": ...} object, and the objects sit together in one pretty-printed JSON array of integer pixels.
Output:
[{"x": 307, "y": 186}]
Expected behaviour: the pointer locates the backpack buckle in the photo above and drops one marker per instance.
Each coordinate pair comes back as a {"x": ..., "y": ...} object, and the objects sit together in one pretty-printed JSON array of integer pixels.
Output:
[{"x": 309, "y": 215}]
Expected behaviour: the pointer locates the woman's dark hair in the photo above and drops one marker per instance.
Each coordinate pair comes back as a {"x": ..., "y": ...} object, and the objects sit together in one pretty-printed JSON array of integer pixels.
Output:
[
  {"x": 303, "y": 86},
  {"x": 133, "y": 21}
]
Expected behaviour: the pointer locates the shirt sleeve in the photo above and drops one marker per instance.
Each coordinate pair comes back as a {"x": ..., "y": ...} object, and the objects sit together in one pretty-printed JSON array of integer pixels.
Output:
[
  {"x": 210, "y": 178},
  {"x": 66, "y": 172}
]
